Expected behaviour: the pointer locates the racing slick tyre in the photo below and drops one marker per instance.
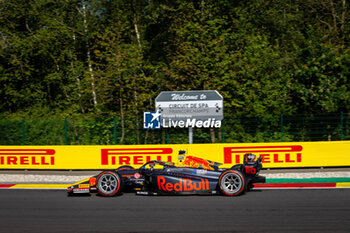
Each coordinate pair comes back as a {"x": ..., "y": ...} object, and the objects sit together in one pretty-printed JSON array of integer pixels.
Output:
[
  {"x": 108, "y": 183},
  {"x": 232, "y": 183}
]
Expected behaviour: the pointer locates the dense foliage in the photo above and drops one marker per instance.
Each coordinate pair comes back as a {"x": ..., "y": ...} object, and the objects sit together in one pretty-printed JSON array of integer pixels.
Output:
[{"x": 106, "y": 58}]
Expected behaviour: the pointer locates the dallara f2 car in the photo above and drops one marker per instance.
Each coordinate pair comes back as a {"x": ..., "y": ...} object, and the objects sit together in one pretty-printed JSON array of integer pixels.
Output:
[{"x": 196, "y": 176}]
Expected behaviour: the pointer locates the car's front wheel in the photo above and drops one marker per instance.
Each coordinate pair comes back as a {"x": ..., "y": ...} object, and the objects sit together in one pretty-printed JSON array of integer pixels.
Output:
[
  {"x": 108, "y": 183},
  {"x": 232, "y": 183}
]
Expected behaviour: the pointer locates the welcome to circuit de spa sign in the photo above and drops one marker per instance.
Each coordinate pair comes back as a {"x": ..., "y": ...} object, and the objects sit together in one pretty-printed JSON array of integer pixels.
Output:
[{"x": 186, "y": 109}]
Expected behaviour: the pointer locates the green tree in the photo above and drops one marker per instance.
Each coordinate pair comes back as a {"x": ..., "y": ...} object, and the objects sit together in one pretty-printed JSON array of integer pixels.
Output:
[{"x": 320, "y": 80}]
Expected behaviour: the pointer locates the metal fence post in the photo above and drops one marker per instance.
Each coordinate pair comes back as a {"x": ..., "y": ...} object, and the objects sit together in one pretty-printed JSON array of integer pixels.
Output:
[
  {"x": 341, "y": 126},
  {"x": 281, "y": 127},
  {"x": 190, "y": 135},
  {"x": 66, "y": 131},
  {"x": 23, "y": 132},
  {"x": 115, "y": 131}
]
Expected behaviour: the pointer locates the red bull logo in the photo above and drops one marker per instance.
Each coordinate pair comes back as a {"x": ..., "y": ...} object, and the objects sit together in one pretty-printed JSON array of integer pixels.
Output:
[
  {"x": 134, "y": 156},
  {"x": 270, "y": 154},
  {"x": 184, "y": 185}
]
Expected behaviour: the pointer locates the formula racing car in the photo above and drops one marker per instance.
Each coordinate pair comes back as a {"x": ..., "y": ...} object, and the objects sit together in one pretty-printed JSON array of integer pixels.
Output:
[{"x": 195, "y": 176}]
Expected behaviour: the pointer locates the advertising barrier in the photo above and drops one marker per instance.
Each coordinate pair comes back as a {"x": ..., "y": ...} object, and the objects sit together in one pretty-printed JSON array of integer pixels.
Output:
[{"x": 275, "y": 155}]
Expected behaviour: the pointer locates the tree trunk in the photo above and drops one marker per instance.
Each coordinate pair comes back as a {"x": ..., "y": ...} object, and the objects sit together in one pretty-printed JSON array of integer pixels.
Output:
[
  {"x": 342, "y": 23},
  {"x": 122, "y": 117},
  {"x": 94, "y": 98},
  {"x": 334, "y": 16},
  {"x": 137, "y": 35},
  {"x": 212, "y": 135},
  {"x": 73, "y": 58},
  {"x": 136, "y": 115}
]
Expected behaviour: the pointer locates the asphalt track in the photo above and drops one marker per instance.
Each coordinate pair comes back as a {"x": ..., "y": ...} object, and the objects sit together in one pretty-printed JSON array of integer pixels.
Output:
[{"x": 257, "y": 211}]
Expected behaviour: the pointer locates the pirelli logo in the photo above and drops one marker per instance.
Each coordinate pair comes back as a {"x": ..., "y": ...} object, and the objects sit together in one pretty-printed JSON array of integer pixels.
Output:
[
  {"x": 27, "y": 157},
  {"x": 270, "y": 154},
  {"x": 134, "y": 156}
]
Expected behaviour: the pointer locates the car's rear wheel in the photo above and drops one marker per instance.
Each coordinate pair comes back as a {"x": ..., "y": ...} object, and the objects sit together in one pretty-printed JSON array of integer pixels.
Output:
[
  {"x": 108, "y": 183},
  {"x": 232, "y": 183}
]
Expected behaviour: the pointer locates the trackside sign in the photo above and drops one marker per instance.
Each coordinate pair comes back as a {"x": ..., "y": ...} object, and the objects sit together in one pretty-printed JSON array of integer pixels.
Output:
[
  {"x": 275, "y": 155},
  {"x": 185, "y": 109}
]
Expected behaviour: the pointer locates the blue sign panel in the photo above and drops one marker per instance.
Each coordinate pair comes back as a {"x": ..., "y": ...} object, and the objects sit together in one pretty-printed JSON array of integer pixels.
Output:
[{"x": 151, "y": 120}]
